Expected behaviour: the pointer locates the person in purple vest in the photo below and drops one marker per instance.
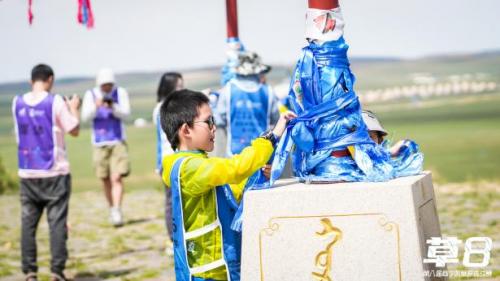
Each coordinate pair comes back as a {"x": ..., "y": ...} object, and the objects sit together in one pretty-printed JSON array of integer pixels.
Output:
[
  {"x": 107, "y": 105},
  {"x": 40, "y": 120}
]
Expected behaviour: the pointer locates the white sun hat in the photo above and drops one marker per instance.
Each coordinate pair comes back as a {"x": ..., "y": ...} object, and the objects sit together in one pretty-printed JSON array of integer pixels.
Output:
[
  {"x": 105, "y": 76},
  {"x": 249, "y": 63},
  {"x": 372, "y": 122}
]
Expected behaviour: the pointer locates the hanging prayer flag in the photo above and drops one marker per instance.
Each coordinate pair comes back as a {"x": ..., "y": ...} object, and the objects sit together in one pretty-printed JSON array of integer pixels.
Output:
[
  {"x": 30, "y": 12},
  {"x": 85, "y": 15}
]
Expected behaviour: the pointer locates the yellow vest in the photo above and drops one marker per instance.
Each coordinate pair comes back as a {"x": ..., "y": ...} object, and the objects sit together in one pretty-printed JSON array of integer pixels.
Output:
[{"x": 199, "y": 177}]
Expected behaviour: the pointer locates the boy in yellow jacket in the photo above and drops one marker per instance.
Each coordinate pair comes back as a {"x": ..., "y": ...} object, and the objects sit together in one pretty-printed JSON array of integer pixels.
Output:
[{"x": 206, "y": 191}]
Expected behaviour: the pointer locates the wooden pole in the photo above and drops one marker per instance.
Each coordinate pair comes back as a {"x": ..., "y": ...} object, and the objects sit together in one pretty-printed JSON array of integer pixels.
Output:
[
  {"x": 323, "y": 4},
  {"x": 232, "y": 19}
]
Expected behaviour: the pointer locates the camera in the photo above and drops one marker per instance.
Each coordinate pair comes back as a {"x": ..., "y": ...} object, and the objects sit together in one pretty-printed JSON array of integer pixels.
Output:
[{"x": 107, "y": 99}]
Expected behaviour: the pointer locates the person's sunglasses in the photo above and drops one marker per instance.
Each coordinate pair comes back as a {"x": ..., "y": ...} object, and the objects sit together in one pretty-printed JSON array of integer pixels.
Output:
[{"x": 210, "y": 122}]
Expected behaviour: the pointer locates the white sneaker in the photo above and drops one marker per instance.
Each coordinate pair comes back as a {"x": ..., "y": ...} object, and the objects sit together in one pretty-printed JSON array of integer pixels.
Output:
[
  {"x": 116, "y": 217},
  {"x": 169, "y": 249}
]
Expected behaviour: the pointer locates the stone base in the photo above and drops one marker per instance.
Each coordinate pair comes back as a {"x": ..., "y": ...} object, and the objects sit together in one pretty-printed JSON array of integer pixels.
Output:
[{"x": 340, "y": 232}]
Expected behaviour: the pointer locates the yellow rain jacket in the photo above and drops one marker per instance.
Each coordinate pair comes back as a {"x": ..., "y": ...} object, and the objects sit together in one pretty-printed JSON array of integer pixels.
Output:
[{"x": 198, "y": 177}]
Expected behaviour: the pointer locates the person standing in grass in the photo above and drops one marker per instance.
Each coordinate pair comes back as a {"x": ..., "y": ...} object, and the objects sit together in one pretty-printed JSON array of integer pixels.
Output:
[
  {"x": 246, "y": 106},
  {"x": 169, "y": 83},
  {"x": 206, "y": 190},
  {"x": 41, "y": 119},
  {"x": 107, "y": 106}
]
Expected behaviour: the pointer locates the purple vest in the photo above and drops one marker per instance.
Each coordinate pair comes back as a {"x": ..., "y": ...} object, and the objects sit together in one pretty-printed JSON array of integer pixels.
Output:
[
  {"x": 35, "y": 131},
  {"x": 106, "y": 127}
]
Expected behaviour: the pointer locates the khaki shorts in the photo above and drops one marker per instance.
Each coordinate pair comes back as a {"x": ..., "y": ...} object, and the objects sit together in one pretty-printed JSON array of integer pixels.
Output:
[{"x": 111, "y": 160}]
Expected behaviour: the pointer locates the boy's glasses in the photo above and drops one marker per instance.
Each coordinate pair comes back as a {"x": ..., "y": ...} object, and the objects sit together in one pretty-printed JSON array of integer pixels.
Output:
[{"x": 210, "y": 122}]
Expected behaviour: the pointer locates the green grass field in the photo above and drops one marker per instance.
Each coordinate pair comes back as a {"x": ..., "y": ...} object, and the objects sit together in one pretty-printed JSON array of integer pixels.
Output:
[{"x": 459, "y": 136}]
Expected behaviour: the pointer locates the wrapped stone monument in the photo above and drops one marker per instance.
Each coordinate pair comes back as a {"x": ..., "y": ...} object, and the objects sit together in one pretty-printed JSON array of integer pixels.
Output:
[{"x": 371, "y": 214}]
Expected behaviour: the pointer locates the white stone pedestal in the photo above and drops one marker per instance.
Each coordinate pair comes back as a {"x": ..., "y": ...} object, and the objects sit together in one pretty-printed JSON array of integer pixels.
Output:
[{"x": 340, "y": 232}]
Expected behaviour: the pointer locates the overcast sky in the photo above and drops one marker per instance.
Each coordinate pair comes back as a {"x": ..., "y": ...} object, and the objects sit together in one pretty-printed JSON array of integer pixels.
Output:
[{"x": 153, "y": 35}]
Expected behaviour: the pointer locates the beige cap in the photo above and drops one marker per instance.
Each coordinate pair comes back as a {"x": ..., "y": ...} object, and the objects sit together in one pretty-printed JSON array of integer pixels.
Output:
[
  {"x": 105, "y": 76},
  {"x": 372, "y": 122}
]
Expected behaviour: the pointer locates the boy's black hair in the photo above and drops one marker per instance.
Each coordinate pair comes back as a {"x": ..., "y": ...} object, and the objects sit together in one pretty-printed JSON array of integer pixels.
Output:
[
  {"x": 41, "y": 72},
  {"x": 168, "y": 83},
  {"x": 180, "y": 107}
]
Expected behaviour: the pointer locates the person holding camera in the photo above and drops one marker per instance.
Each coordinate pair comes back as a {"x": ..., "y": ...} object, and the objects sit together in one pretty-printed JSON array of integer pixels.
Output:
[
  {"x": 107, "y": 105},
  {"x": 41, "y": 120}
]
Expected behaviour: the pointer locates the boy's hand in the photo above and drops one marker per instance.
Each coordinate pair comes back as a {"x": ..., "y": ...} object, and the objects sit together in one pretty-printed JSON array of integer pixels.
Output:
[
  {"x": 266, "y": 170},
  {"x": 280, "y": 127}
]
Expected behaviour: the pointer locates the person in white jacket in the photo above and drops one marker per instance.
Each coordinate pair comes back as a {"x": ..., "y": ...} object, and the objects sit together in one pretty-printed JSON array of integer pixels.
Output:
[{"x": 106, "y": 106}]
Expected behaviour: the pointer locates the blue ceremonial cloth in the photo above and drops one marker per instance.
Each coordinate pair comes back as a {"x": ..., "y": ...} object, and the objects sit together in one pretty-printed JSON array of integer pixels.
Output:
[{"x": 329, "y": 119}]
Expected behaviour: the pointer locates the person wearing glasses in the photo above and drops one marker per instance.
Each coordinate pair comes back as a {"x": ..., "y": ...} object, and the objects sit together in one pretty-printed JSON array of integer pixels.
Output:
[{"x": 206, "y": 190}]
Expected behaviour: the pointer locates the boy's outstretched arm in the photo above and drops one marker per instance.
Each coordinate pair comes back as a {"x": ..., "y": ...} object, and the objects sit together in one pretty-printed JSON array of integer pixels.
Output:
[{"x": 203, "y": 174}]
